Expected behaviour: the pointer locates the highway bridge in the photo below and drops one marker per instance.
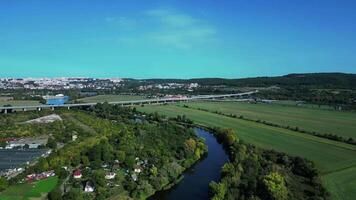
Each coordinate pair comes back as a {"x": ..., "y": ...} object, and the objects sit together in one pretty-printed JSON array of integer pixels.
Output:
[{"x": 125, "y": 103}]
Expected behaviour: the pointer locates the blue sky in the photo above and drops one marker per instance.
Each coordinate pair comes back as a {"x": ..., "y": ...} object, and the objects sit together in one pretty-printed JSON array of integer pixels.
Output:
[{"x": 176, "y": 39}]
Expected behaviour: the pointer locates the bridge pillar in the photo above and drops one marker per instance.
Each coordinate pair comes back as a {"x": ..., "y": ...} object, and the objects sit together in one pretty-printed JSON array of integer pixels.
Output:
[
  {"x": 68, "y": 107},
  {"x": 24, "y": 109},
  {"x": 39, "y": 109},
  {"x": 5, "y": 111},
  {"x": 52, "y": 108}
]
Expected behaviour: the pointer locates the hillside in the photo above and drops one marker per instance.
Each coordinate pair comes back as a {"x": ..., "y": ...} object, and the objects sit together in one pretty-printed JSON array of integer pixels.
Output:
[{"x": 313, "y": 80}]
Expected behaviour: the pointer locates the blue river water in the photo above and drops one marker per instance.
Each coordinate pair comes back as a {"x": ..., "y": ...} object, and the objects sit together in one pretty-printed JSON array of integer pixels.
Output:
[{"x": 195, "y": 184}]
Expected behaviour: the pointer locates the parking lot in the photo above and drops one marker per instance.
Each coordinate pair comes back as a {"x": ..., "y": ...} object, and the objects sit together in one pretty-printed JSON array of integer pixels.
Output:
[{"x": 11, "y": 158}]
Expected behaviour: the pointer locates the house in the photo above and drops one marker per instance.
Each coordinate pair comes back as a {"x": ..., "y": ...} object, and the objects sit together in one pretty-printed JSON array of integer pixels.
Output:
[
  {"x": 134, "y": 177},
  {"x": 74, "y": 137},
  {"x": 89, "y": 187},
  {"x": 110, "y": 175},
  {"x": 77, "y": 174},
  {"x": 138, "y": 170}
]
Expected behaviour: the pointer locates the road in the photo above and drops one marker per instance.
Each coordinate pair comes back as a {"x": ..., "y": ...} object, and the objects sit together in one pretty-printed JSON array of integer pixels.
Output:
[{"x": 127, "y": 103}]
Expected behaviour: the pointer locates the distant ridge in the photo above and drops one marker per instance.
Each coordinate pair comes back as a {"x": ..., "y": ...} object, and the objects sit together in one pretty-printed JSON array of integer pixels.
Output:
[{"x": 317, "y": 80}]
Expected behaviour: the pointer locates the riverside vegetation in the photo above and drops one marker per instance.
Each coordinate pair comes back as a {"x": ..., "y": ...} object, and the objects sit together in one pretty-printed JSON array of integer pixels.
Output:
[{"x": 110, "y": 139}]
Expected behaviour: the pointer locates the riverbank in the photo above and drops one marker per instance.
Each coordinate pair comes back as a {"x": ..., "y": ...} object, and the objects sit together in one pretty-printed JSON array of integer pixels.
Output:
[{"x": 195, "y": 184}]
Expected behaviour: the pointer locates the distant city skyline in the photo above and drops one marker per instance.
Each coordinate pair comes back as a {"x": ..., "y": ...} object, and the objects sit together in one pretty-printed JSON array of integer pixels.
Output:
[{"x": 176, "y": 38}]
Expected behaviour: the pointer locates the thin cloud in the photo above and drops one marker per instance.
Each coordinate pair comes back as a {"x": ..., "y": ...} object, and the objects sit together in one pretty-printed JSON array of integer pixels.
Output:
[
  {"x": 122, "y": 22},
  {"x": 166, "y": 28},
  {"x": 172, "y": 18},
  {"x": 180, "y": 30}
]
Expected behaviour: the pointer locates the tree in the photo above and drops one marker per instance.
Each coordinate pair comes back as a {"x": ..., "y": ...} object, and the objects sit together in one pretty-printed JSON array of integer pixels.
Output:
[
  {"x": 42, "y": 165},
  {"x": 120, "y": 155},
  {"x": 74, "y": 194},
  {"x": 3, "y": 184},
  {"x": 275, "y": 185},
  {"x": 230, "y": 137},
  {"x": 3, "y": 144},
  {"x": 99, "y": 178},
  {"x": 85, "y": 161},
  {"x": 218, "y": 190},
  {"x": 55, "y": 194},
  {"x": 190, "y": 145},
  {"x": 51, "y": 143}
]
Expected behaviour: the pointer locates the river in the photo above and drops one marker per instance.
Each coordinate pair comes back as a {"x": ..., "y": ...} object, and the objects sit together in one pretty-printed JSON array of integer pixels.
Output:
[{"x": 195, "y": 184}]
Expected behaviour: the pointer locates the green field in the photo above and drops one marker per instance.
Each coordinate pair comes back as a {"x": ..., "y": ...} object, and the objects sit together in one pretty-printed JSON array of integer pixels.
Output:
[
  {"x": 330, "y": 157},
  {"x": 27, "y": 191},
  {"x": 310, "y": 119},
  {"x": 19, "y": 103},
  {"x": 111, "y": 98}
]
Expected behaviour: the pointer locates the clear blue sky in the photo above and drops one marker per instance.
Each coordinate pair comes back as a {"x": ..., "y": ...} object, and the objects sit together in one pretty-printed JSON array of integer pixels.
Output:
[{"x": 176, "y": 39}]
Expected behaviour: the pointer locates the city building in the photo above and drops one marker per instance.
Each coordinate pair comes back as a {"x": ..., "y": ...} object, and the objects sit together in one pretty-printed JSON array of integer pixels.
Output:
[{"x": 59, "y": 99}]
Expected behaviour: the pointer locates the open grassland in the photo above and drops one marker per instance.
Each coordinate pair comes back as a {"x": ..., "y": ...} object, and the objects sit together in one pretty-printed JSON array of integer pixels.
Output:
[
  {"x": 111, "y": 98},
  {"x": 310, "y": 119},
  {"x": 341, "y": 184},
  {"x": 19, "y": 103},
  {"x": 27, "y": 191},
  {"x": 330, "y": 157}
]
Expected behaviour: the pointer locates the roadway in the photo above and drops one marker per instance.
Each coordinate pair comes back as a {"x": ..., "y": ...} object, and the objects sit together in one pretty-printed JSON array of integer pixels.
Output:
[{"x": 127, "y": 103}]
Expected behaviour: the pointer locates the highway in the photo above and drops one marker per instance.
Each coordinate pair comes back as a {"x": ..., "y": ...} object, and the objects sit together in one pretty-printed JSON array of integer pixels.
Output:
[{"x": 126, "y": 103}]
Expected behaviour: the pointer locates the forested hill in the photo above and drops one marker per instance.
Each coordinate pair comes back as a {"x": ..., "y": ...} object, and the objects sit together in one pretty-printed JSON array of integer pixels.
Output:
[{"x": 313, "y": 80}]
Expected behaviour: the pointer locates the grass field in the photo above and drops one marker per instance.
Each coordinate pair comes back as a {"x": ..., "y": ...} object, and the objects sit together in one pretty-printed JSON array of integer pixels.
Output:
[
  {"x": 331, "y": 157},
  {"x": 111, "y": 98},
  {"x": 310, "y": 119},
  {"x": 19, "y": 103},
  {"x": 27, "y": 191}
]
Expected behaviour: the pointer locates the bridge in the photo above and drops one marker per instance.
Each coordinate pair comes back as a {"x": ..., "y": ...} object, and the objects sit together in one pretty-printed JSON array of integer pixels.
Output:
[{"x": 24, "y": 108}]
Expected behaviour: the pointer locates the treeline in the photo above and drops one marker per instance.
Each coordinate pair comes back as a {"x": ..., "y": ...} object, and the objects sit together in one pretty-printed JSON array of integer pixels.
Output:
[
  {"x": 315, "y": 80},
  {"x": 335, "y": 98},
  {"x": 255, "y": 174}
]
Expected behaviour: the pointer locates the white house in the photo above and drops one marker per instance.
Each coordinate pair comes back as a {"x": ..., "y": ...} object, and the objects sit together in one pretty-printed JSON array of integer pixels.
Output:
[
  {"x": 89, "y": 187},
  {"x": 110, "y": 175}
]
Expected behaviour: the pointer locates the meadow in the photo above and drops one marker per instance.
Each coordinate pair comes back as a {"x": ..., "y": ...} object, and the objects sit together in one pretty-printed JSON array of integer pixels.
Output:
[
  {"x": 27, "y": 191},
  {"x": 332, "y": 158},
  {"x": 19, "y": 103},
  {"x": 310, "y": 119},
  {"x": 110, "y": 98}
]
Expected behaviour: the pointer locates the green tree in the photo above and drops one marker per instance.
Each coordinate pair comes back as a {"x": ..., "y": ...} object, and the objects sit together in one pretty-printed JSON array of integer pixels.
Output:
[
  {"x": 3, "y": 183},
  {"x": 55, "y": 194},
  {"x": 120, "y": 155},
  {"x": 74, "y": 194},
  {"x": 51, "y": 143},
  {"x": 275, "y": 185},
  {"x": 190, "y": 145},
  {"x": 85, "y": 161},
  {"x": 99, "y": 178},
  {"x": 218, "y": 190},
  {"x": 230, "y": 137}
]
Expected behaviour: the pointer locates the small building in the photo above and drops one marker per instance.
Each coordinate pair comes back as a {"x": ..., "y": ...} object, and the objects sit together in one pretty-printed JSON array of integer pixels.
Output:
[
  {"x": 134, "y": 177},
  {"x": 110, "y": 175},
  {"x": 58, "y": 99},
  {"x": 138, "y": 170},
  {"x": 31, "y": 143},
  {"x": 77, "y": 174},
  {"x": 89, "y": 187},
  {"x": 74, "y": 137}
]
